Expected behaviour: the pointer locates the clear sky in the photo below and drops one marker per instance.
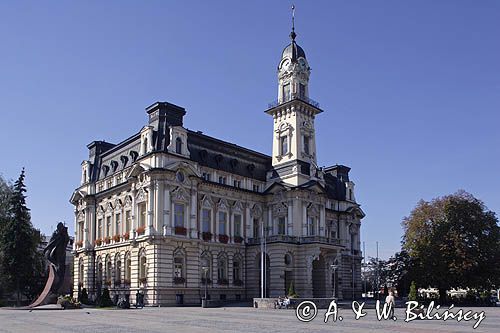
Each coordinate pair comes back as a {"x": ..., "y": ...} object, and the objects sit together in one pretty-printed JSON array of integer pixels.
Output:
[{"x": 410, "y": 90}]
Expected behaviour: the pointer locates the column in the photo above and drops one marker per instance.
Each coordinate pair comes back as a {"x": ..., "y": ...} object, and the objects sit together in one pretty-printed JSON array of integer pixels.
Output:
[
  {"x": 289, "y": 222},
  {"x": 193, "y": 230},
  {"x": 167, "y": 228},
  {"x": 150, "y": 208},
  {"x": 322, "y": 227}
]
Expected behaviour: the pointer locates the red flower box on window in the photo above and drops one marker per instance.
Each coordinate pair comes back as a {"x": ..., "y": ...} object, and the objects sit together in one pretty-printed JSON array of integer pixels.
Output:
[
  {"x": 98, "y": 242},
  {"x": 79, "y": 244},
  {"x": 116, "y": 238},
  {"x": 223, "y": 238},
  {"x": 180, "y": 231},
  {"x": 107, "y": 240},
  {"x": 140, "y": 230},
  {"x": 126, "y": 236},
  {"x": 238, "y": 239},
  {"x": 206, "y": 236}
]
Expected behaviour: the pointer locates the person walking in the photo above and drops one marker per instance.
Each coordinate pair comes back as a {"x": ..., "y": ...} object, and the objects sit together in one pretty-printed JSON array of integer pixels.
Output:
[{"x": 392, "y": 303}]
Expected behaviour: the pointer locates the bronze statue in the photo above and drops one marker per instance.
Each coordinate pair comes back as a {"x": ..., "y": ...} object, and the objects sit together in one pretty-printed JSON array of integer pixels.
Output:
[{"x": 55, "y": 252}]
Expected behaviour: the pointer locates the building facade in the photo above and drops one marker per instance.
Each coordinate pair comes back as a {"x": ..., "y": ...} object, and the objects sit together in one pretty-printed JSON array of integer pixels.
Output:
[{"x": 171, "y": 212}]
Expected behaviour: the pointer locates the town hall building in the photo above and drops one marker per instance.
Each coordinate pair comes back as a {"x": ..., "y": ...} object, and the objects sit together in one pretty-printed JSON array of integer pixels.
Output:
[{"x": 172, "y": 212}]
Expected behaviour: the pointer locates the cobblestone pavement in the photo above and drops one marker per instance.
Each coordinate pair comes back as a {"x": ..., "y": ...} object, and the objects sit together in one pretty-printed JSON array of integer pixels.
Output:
[{"x": 233, "y": 319}]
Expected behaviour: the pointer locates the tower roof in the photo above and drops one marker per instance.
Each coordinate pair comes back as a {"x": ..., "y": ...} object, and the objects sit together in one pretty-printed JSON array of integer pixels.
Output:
[{"x": 293, "y": 51}]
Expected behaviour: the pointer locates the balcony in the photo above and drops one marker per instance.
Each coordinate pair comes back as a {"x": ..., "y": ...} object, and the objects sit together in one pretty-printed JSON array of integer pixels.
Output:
[
  {"x": 297, "y": 240},
  {"x": 292, "y": 97}
]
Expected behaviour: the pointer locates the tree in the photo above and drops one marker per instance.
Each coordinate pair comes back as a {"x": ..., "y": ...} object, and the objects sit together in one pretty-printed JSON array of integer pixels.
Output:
[
  {"x": 18, "y": 242},
  {"x": 5, "y": 193},
  {"x": 454, "y": 242}
]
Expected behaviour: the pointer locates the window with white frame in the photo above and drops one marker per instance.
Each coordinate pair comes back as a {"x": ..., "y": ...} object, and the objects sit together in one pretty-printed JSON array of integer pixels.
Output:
[
  {"x": 311, "y": 224},
  {"x": 141, "y": 208},
  {"x": 206, "y": 219},
  {"x": 222, "y": 269},
  {"x": 237, "y": 270},
  {"x": 206, "y": 176},
  {"x": 178, "y": 145},
  {"x": 108, "y": 226},
  {"x": 178, "y": 266},
  {"x": 118, "y": 217},
  {"x": 286, "y": 92},
  {"x": 222, "y": 180},
  {"x": 255, "y": 188},
  {"x": 142, "y": 266},
  {"x": 179, "y": 213},
  {"x": 222, "y": 223},
  {"x": 237, "y": 183},
  {"x": 80, "y": 230},
  {"x": 283, "y": 145},
  {"x": 256, "y": 228},
  {"x": 306, "y": 142},
  {"x": 99, "y": 228},
  {"x": 127, "y": 221}
]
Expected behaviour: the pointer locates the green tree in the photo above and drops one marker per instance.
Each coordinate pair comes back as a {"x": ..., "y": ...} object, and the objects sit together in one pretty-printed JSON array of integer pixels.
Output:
[
  {"x": 18, "y": 242},
  {"x": 5, "y": 193},
  {"x": 454, "y": 242}
]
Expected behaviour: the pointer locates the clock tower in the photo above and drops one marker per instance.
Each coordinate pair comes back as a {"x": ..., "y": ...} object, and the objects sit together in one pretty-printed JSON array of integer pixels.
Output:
[{"x": 294, "y": 144}]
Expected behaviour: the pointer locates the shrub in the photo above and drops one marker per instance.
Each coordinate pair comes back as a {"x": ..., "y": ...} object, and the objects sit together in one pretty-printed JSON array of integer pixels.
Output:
[
  {"x": 84, "y": 296},
  {"x": 413, "y": 295},
  {"x": 105, "y": 299}
]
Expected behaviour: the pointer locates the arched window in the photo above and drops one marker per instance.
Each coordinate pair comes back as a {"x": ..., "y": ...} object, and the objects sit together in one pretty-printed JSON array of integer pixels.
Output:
[
  {"x": 206, "y": 268},
  {"x": 222, "y": 270},
  {"x": 99, "y": 270},
  {"x": 118, "y": 270},
  {"x": 178, "y": 145},
  {"x": 128, "y": 266},
  {"x": 237, "y": 270},
  {"x": 142, "y": 266},
  {"x": 179, "y": 267},
  {"x": 109, "y": 270}
]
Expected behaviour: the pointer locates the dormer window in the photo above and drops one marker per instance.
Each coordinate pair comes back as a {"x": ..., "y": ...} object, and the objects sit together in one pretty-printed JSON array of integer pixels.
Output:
[
  {"x": 145, "y": 146},
  {"x": 178, "y": 146}
]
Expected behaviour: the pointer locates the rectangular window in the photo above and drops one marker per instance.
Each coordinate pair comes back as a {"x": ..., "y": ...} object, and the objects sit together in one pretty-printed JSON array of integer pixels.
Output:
[
  {"x": 206, "y": 220},
  {"x": 255, "y": 188},
  {"x": 312, "y": 226},
  {"x": 99, "y": 228},
  {"x": 81, "y": 230},
  {"x": 284, "y": 145},
  {"x": 237, "y": 225},
  {"x": 237, "y": 183},
  {"x": 222, "y": 223},
  {"x": 306, "y": 144},
  {"x": 178, "y": 215},
  {"x": 302, "y": 90},
  {"x": 256, "y": 228},
  {"x": 222, "y": 180},
  {"x": 127, "y": 221},
  {"x": 117, "y": 223},
  {"x": 206, "y": 176},
  {"x": 142, "y": 214},
  {"x": 108, "y": 226},
  {"x": 286, "y": 92},
  {"x": 281, "y": 225},
  {"x": 178, "y": 267}
]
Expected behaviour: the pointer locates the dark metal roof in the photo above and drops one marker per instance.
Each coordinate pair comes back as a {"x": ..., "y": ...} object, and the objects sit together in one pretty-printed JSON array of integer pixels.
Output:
[{"x": 293, "y": 51}]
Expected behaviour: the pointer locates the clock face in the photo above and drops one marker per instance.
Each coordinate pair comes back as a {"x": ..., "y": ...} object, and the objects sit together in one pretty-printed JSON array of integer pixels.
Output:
[{"x": 302, "y": 62}]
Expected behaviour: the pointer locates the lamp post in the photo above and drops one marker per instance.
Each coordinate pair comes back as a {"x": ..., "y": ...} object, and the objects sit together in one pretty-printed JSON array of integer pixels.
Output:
[
  {"x": 334, "y": 267},
  {"x": 204, "y": 300}
]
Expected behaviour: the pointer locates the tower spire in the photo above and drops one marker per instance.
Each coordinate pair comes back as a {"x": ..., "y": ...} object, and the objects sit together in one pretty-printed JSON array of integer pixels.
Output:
[{"x": 293, "y": 34}]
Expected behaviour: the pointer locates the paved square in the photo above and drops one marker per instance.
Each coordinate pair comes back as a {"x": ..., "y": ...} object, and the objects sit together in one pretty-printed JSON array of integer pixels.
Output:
[{"x": 231, "y": 319}]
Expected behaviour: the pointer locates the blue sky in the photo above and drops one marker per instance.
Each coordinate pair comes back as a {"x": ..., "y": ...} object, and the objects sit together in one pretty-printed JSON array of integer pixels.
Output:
[{"x": 410, "y": 90}]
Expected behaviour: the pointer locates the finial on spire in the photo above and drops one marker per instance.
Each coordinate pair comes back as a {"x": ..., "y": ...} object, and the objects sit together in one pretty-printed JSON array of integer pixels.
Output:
[{"x": 293, "y": 34}]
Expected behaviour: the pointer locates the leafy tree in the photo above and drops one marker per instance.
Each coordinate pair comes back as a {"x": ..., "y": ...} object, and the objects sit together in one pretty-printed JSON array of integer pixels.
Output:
[
  {"x": 18, "y": 242},
  {"x": 5, "y": 193},
  {"x": 454, "y": 242}
]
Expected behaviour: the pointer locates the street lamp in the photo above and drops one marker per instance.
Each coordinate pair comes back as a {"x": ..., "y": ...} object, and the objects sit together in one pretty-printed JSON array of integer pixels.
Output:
[
  {"x": 334, "y": 267},
  {"x": 204, "y": 301}
]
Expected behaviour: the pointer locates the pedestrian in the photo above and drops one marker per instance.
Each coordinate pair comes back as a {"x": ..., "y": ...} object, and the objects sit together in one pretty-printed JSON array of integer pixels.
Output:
[{"x": 390, "y": 300}]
